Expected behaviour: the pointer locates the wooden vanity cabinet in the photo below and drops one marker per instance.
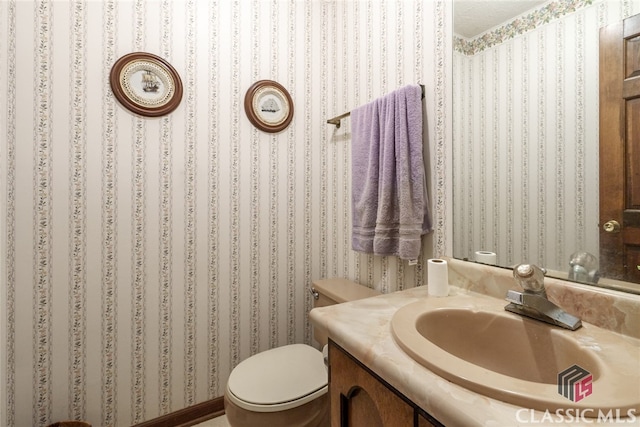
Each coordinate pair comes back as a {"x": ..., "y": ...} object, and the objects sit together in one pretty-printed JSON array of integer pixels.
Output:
[{"x": 358, "y": 397}]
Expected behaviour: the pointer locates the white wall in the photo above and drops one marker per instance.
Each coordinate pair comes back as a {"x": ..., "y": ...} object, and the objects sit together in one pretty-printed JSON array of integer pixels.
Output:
[{"x": 144, "y": 258}]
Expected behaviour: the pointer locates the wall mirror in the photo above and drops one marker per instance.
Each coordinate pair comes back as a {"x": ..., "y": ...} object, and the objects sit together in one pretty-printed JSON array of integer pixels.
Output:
[{"x": 526, "y": 133}]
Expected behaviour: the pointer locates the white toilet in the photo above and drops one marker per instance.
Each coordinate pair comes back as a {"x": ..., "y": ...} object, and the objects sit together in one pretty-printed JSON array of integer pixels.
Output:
[{"x": 287, "y": 386}]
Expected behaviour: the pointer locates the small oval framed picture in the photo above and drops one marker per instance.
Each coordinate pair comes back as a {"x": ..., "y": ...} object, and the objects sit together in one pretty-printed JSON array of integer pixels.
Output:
[
  {"x": 146, "y": 84},
  {"x": 268, "y": 106}
]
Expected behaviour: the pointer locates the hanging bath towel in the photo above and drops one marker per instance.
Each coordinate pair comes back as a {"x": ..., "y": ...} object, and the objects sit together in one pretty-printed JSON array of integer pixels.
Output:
[{"x": 389, "y": 195}]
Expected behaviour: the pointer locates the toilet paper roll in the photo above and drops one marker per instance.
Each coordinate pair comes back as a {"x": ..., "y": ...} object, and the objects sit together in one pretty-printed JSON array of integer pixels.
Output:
[
  {"x": 438, "y": 277},
  {"x": 486, "y": 257}
]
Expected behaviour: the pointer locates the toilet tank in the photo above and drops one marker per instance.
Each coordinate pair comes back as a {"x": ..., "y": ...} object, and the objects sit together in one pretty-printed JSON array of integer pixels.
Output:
[{"x": 336, "y": 291}]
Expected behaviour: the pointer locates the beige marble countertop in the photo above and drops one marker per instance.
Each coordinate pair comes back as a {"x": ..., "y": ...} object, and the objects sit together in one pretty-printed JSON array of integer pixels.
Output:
[{"x": 363, "y": 329}]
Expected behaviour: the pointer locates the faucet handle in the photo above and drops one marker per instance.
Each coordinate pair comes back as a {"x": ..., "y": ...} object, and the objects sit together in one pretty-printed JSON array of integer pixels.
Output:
[{"x": 530, "y": 277}]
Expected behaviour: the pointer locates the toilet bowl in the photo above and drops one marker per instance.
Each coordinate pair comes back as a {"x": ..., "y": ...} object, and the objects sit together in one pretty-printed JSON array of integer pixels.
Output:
[
  {"x": 288, "y": 386},
  {"x": 284, "y": 386}
]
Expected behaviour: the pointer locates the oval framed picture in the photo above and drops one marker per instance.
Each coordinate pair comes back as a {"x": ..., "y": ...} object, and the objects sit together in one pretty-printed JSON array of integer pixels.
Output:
[
  {"x": 268, "y": 106},
  {"x": 146, "y": 84}
]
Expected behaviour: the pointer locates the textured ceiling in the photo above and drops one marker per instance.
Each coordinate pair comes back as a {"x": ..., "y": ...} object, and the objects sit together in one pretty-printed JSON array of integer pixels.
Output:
[{"x": 474, "y": 17}]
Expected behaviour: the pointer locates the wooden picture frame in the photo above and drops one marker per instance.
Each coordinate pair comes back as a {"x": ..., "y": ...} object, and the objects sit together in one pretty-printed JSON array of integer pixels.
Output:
[
  {"x": 146, "y": 84},
  {"x": 269, "y": 106}
]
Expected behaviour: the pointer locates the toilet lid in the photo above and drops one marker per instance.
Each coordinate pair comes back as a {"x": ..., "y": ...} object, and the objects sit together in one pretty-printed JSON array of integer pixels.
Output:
[{"x": 279, "y": 375}]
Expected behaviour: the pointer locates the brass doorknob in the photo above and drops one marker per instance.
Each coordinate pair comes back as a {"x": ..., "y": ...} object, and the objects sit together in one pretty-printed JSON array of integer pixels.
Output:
[{"x": 612, "y": 226}]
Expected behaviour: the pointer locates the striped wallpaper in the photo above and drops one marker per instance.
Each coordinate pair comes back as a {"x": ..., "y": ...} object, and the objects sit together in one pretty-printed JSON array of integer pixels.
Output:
[
  {"x": 526, "y": 135},
  {"x": 142, "y": 259}
]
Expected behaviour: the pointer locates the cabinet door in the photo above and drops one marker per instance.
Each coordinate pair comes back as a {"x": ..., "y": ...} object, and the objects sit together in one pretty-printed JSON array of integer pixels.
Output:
[
  {"x": 360, "y": 399},
  {"x": 424, "y": 422}
]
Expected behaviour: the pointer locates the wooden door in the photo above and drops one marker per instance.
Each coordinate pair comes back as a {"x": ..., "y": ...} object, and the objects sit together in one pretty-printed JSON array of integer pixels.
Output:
[{"x": 620, "y": 150}]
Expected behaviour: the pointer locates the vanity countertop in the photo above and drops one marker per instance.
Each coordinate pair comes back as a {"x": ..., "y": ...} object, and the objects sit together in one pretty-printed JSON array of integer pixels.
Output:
[{"x": 363, "y": 329}]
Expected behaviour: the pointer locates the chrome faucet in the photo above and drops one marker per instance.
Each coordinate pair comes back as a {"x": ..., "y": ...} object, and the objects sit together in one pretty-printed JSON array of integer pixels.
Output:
[
  {"x": 533, "y": 301},
  {"x": 583, "y": 267}
]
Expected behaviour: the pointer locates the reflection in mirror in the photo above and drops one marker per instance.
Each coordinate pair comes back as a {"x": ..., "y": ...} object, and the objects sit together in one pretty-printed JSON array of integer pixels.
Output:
[{"x": 526, "y": 134}]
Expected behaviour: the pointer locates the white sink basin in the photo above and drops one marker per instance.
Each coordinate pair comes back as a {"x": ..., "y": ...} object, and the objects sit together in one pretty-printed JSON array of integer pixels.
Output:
[{"x": 475, "y": 343}]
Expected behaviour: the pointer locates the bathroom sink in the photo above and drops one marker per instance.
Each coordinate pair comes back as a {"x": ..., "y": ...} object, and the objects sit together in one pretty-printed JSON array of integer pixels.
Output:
[
  {"x": 473, "y": 342},
  {"x": 501, "y": 343}
]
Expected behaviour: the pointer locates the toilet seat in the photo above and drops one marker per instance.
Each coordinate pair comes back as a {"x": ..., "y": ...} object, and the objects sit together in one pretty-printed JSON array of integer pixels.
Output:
[{"x": 278, "y": 379}]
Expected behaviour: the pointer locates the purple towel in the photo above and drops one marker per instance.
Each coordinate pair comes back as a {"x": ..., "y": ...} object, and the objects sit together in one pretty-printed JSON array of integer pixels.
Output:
[{"x": 389, "y": 196}]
